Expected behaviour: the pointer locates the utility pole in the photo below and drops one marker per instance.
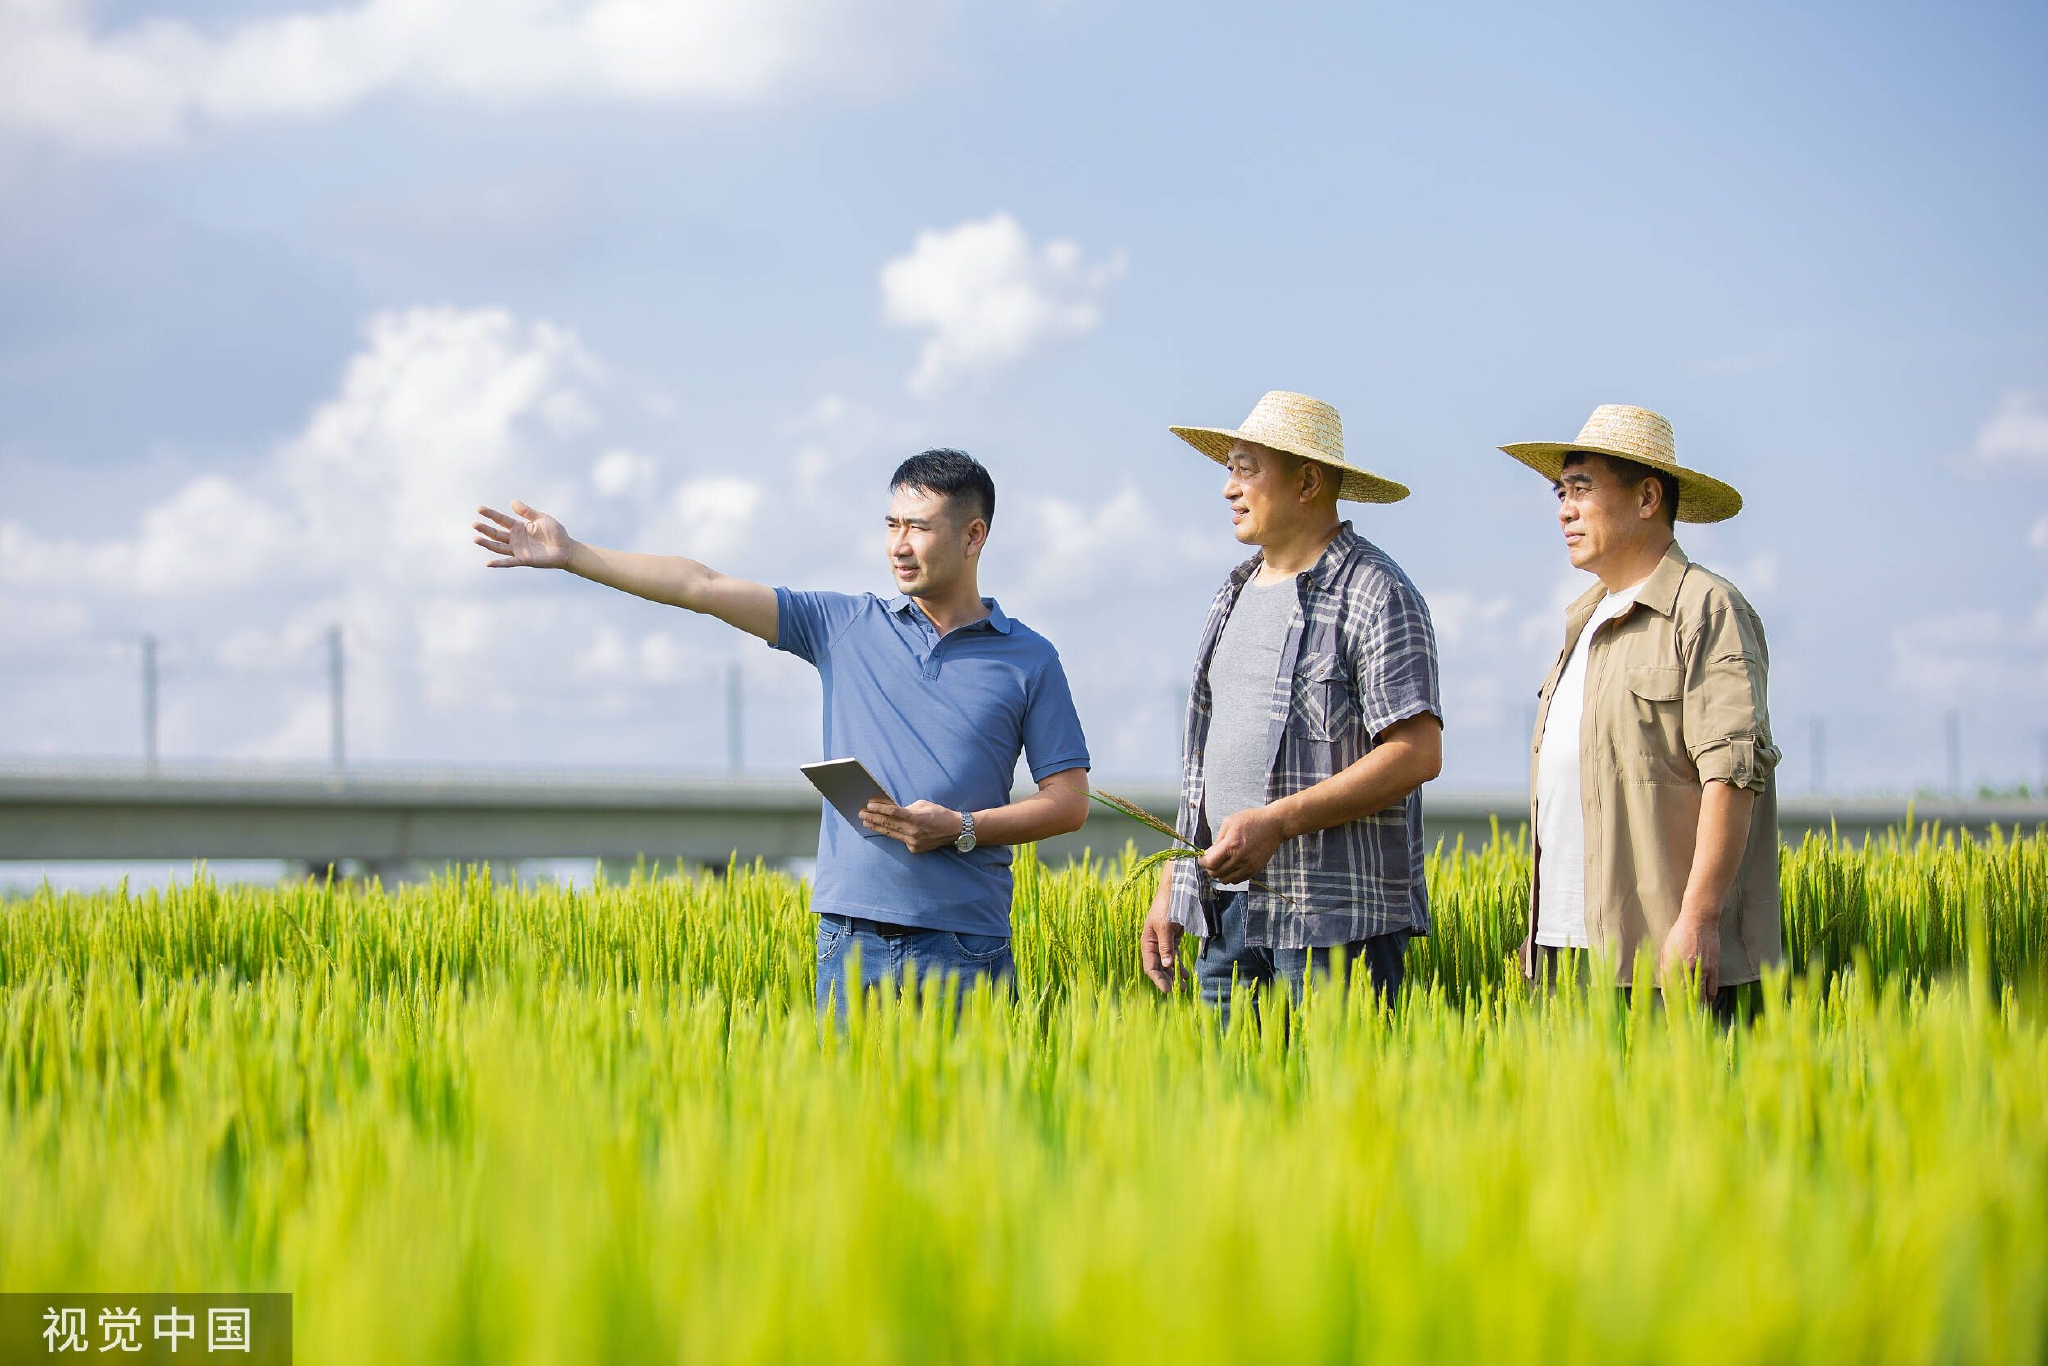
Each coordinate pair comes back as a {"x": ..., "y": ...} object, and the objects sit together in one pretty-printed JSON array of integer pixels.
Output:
[
  {"x": 334, "y": 692},
  {"x": 149, "y": 735},
  {"x": 1820, "y": 756},
  {"x": 735, "y": 721},
  {"x": 1955, "y": 754}
]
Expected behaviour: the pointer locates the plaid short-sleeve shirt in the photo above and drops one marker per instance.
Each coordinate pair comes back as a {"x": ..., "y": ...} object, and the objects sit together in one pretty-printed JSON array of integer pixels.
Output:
[{"x": 1359, "y": 656}]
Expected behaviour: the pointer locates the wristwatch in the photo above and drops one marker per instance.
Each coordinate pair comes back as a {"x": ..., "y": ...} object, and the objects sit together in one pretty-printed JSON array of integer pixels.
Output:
[{"x": 965, "y": 844}]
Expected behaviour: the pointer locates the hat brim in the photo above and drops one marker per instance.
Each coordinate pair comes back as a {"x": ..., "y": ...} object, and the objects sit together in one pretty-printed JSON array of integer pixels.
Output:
[
  {"x": 1701, "y": 497},
  {"x": 1358, "y": 486}
]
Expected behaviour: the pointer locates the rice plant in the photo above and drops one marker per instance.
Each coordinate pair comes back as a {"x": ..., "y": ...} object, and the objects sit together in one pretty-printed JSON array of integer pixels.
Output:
[{"x": 478, "y": 1122}]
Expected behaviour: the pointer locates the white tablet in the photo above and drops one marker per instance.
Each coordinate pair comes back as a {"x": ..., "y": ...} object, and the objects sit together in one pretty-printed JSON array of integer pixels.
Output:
[{"x": 848, "y": 785}]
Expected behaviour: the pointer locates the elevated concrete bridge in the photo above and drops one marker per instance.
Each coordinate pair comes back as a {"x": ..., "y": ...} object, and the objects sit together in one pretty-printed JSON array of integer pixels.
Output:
[{"x": 390, "y": 819}]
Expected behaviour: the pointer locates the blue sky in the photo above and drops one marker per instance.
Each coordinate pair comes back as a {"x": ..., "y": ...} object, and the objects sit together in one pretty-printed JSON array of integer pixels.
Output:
[{"x": 284, "y": 290}]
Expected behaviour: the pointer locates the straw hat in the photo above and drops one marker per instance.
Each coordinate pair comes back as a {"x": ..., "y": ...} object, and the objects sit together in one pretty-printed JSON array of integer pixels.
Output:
[
  {"x": 1301, "y": 426},
  {"x": 1642, "y": 436}
]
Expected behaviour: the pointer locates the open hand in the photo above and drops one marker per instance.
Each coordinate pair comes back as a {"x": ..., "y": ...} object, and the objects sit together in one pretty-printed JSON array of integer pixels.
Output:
[
  {"x": 922, "y": 826},
  {"x": 1244, "y": 846},
  {"x": 1159, "y": 947},
  {"x": 530, "y": 538},
  {"x": 1693, "y": 943}
]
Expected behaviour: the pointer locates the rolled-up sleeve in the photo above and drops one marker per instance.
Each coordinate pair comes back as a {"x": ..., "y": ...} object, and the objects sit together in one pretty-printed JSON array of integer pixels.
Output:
[{"x": 1727, "y": 715}]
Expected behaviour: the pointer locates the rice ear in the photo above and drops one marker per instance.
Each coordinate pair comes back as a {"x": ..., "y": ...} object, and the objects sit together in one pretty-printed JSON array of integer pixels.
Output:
[
  {"x": 1188, "y": 848},
  {"x": 1154, "y": 860},
  {"x": 1124, "y": 806}
]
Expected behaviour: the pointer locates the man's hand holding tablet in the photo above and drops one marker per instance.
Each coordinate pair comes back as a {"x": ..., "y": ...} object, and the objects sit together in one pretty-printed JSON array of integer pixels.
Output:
[{"x": 855, "y": 794}]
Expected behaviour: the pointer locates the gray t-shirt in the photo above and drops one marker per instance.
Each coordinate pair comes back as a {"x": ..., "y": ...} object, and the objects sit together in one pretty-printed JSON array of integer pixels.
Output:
[{"x": 1242, "y": 674}]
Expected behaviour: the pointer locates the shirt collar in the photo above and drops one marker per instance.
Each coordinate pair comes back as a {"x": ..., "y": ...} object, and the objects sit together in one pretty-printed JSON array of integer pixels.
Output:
[
  {"x": 1659, "y": 592},
  {"x": 996, "y": 620},
  {"x": 1335, "y": 553}
]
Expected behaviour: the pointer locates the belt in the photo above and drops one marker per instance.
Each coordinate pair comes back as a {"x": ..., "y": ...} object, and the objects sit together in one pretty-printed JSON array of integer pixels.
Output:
[{"x": 880, "y": 927}]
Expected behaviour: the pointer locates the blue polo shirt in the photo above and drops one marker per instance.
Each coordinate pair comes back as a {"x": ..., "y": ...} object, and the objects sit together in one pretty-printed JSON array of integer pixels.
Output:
[{"x": 933, "y": 719}]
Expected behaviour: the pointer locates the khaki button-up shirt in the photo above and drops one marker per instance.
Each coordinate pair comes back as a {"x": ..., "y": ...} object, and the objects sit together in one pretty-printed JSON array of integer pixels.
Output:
[{"x": 1675, "y": 698}]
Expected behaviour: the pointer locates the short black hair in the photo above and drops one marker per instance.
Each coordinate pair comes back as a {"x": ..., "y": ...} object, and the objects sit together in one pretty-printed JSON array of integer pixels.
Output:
[
  {"x": 1634, "y": 472},
  {"x": 949, "y": 474}
]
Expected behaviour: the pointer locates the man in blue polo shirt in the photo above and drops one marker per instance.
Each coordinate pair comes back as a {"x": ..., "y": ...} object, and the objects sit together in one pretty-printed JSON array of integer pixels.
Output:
[{"x": 936, "y": 691}]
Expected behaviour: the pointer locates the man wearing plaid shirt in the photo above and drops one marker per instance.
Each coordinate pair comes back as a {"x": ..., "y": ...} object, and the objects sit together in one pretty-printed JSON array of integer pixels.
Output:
[{"x": 1313, "y": 721}]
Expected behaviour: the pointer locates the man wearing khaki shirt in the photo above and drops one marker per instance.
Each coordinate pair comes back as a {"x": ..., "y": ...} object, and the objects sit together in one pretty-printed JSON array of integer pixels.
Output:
[{"x": 1654, "y": 799}]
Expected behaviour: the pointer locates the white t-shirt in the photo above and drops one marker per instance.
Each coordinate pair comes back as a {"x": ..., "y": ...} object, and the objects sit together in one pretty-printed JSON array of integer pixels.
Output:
[{"x": 1560, "y": 819}]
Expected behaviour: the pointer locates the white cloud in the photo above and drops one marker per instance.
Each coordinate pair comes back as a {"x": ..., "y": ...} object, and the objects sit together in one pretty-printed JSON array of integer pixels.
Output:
[
  {"x": 621, "y": 472},
  {"x": 306, "y": 729},
  {"x": 1760, "y": 574},
  {"x": 1119, "y": 546},
  {"x": 1480, "y": 673},
  {"x": 154, "y": 80},
  {"x": 360, "y": 519},
  {"x": 37, "y": 615},
  {"x": 2037, "y": 535},
  {"x": 465, "y": 645},
  {"x": 612, "y": 654},
  {"x": 986, "y": 296},
  {"x": 255, "y": 649},
  {"x": 822, "y": 432},
  {"x": 1756, "y": 576},
  {"x": 1464, "y": 617},
  {"x": 2017, "y": 434},
  {"x": 1978, "y": 653},
  {"x": 211, "y": 534},
  {"x": 663, "y": 658},
  {"x": 714, "y": 516},
  {"x": 842, "y": 449},
  {"x": 604, "y": 656},
  {"x": 441, "y": 405},
  {"x": 1545, "y": 626}
]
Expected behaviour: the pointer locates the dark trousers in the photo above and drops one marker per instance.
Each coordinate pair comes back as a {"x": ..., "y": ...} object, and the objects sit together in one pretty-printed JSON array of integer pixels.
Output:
[
  {"x": 1226, "y": 960},
  {"x": 1731, "y": 1005}
]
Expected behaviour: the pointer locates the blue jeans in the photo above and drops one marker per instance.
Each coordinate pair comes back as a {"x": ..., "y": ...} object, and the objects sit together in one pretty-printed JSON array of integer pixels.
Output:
[
  {"x": 1226, "y": 957},
  {"x": 884, "y": 949}
]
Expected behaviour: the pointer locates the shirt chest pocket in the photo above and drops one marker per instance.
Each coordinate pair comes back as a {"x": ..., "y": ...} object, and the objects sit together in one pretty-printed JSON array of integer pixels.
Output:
[
  {"x": 1651, "y": 731},
  {"x": 1324, "y": 707}
]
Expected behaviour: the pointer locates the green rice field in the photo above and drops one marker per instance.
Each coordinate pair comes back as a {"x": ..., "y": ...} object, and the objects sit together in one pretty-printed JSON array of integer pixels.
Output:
[{"x": 473, "y": 1122}]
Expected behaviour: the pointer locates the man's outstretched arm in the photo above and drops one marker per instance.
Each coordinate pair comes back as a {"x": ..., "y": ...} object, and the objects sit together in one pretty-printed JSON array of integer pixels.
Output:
[{"x": 529, "y": 538}]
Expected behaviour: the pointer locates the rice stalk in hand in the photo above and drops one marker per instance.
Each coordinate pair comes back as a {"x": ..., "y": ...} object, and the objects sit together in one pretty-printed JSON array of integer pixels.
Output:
[
  {"x": 1124, "y": 806},
  {"x": 1157, "y": 859}
]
